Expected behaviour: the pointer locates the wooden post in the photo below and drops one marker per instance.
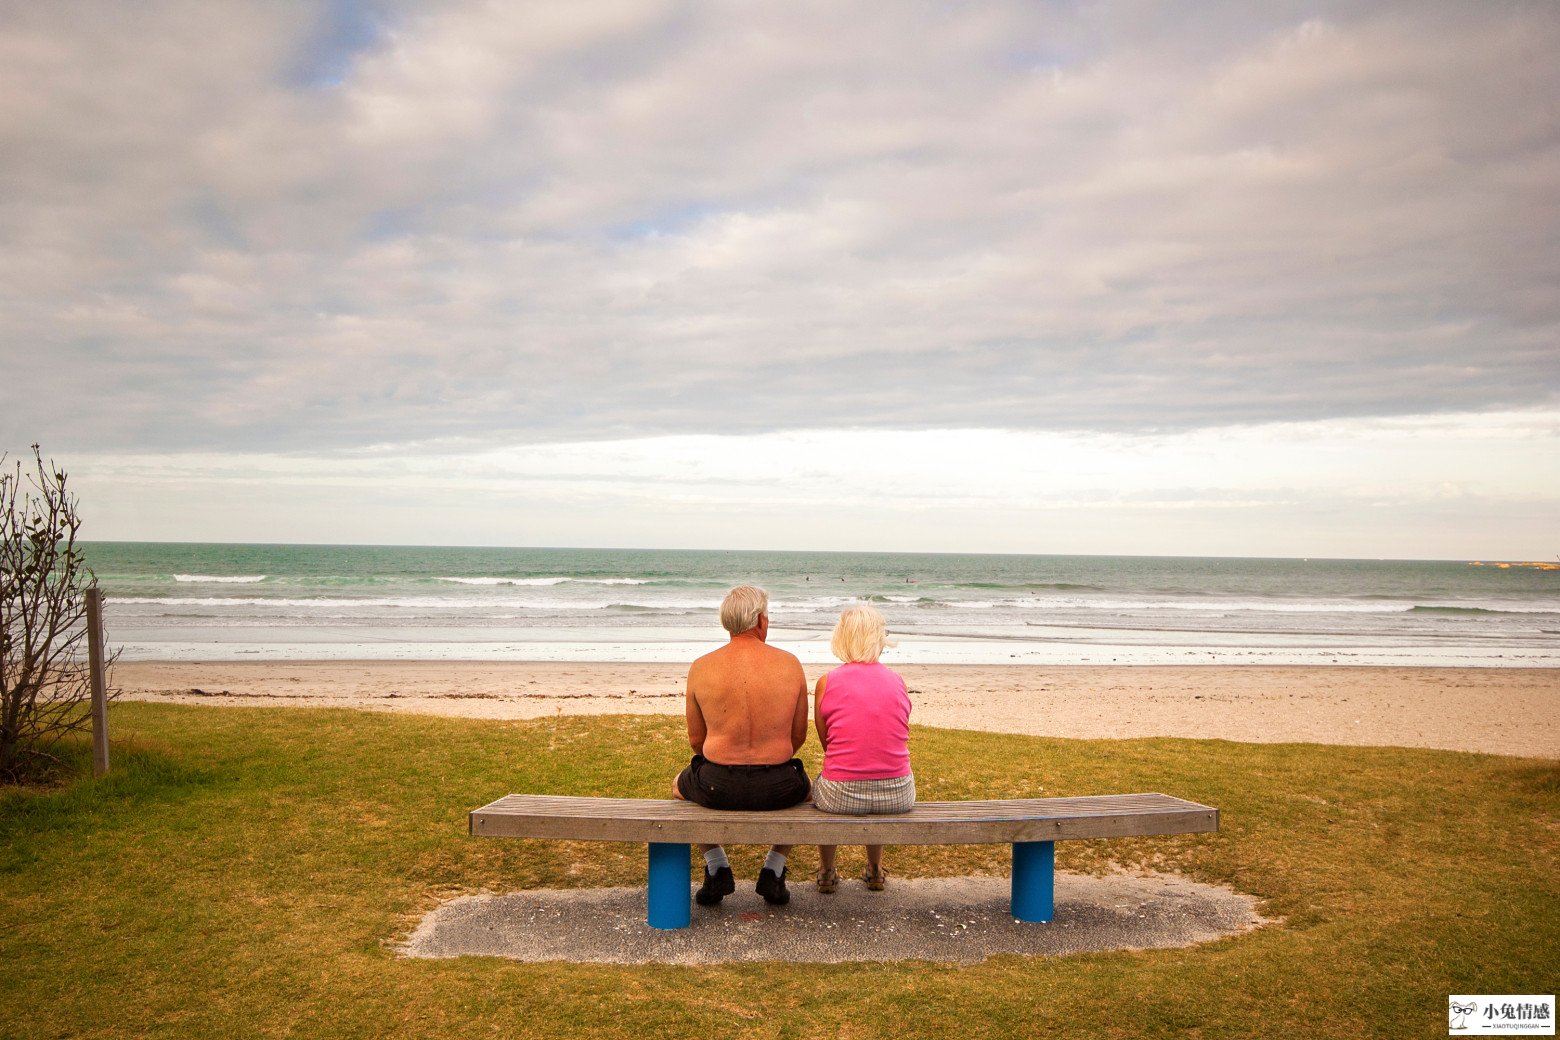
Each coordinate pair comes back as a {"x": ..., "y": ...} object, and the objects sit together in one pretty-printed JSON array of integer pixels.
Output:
[{"x": 98, "y": 668}]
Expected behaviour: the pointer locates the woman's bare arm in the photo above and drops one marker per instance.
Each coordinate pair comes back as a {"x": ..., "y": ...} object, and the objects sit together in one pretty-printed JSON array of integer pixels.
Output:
[{"x": 823, "y": 732}]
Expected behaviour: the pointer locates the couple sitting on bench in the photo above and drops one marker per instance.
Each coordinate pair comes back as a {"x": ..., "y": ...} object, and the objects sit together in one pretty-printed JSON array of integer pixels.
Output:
[{"x": 747, "y": 718}]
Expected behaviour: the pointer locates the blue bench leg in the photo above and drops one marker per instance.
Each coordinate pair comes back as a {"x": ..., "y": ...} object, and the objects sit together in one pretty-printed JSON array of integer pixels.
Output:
[
  {"x": 1034, "y": 880},
  {"x": 669, "y": 900}
]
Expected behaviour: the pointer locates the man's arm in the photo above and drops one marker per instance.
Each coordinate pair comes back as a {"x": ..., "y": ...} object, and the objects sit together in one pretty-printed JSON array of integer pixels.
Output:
[
  {"x": 799, "y": 719},
  {"x": 697, "y": 728}
]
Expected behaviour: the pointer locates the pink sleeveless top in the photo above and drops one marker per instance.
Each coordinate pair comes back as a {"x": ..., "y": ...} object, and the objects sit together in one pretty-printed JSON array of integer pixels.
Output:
[{"x": 866, "y": 711}]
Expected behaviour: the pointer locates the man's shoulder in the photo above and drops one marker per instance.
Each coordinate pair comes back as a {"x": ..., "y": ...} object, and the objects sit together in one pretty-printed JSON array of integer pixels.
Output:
[
  {"x": 732, "y": 655},
  {"x": 782, "y": 658},
  {"x": 706, "y": 662},
  {"x": 786, "y": 654}
]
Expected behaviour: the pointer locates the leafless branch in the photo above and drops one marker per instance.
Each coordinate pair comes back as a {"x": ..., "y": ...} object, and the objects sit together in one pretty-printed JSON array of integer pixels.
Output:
[{"x": 45, "y": 682}]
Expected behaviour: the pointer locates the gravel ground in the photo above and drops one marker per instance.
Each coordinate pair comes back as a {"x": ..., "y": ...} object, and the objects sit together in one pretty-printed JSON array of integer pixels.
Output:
[{"x": 958, "y": 920}]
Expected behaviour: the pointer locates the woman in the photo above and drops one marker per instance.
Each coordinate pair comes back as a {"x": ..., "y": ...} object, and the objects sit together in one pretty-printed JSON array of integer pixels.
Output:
[{"x": 862, "y": 711}]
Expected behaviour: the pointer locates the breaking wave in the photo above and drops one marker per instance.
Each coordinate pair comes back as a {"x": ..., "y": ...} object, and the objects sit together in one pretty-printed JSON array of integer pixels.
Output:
[
  {"x": 220, "y": 579},
  {"x": 559, "y": 580}
]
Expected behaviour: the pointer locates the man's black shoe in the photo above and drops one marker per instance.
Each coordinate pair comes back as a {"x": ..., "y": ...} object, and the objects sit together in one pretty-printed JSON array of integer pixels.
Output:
[
  {"x": 716, "y": 887},
  {"x": 772, "y": 887}
]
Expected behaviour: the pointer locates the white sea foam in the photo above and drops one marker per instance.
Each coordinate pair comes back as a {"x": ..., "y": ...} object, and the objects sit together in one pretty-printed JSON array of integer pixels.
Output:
[
  {"x": 613, "y": 605},
  {"x": 431, "y": 604},
  {"x": 221, "y": 579},
  {"x": 506, "y": 581},
  {"x": 257, "y": 601},
  {"x": 531, "y": 596},
  {"x": 1211, "y": 605},
  {"x": 546, "y": 581}
]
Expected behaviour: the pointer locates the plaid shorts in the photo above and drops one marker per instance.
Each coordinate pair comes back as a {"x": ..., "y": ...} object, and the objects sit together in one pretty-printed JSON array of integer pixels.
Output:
[{"x": 865, "y": 797}]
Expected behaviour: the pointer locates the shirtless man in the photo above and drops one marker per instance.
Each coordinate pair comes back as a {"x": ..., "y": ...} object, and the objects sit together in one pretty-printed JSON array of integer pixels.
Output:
[{"x": 747, "y": 718}]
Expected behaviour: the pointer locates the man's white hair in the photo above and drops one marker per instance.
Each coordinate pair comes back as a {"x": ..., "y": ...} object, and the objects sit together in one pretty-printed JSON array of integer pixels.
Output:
[{"x": 742, "y": 608}]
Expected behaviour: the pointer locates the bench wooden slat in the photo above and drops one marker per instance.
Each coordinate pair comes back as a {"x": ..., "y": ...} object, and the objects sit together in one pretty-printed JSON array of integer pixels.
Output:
[{"x": 929, "y": 823}]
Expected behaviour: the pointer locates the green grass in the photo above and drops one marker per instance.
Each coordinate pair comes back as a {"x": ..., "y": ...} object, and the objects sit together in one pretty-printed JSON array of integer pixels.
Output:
[{"x": 241, "y": 872}]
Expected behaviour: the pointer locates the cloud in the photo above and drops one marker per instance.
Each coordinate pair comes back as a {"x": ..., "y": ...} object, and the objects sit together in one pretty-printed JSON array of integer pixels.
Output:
[
  {"x": 1443, "y": 486},
  {"x": 293, "y": 227}
]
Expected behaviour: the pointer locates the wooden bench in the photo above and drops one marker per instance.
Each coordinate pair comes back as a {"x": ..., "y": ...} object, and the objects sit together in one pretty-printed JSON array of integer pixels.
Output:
[{"x": 669, "y": 827}]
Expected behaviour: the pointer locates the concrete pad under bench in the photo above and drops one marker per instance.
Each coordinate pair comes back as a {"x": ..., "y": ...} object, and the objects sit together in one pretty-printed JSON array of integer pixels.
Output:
[{"x": 670, "y": 827}]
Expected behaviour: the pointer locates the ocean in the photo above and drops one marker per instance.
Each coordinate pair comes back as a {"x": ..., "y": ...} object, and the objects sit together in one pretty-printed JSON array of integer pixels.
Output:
[{"x": 170, "y": 601}]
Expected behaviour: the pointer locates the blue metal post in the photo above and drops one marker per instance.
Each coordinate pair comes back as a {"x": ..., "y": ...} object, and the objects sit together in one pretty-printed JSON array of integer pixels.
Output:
[
  {"x": 1034, "y": 880},
  {"x": 669, "y": 896}
]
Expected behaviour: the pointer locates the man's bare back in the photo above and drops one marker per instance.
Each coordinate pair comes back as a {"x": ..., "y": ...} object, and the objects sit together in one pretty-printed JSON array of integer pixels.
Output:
[
  {"x": 747, "y": 702},
  {"x": 747, "y": 718}
]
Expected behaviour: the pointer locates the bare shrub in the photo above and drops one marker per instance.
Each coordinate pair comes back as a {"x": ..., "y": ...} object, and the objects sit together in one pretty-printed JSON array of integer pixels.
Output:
[{"x": 45, "y": 682}]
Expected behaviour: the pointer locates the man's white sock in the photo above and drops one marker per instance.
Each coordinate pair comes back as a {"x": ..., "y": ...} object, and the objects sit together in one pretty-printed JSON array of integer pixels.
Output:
[
  {"x": 715, "y": 859},
  {"x": 775, "y": 862}
]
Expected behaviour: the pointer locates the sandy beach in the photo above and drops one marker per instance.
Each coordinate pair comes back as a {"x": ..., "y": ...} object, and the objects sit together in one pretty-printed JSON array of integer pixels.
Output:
[{"x": 1505, "y": 711}]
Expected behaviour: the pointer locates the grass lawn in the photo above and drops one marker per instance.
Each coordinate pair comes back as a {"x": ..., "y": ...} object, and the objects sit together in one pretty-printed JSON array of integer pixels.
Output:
[{"x": 241, "y": 872}]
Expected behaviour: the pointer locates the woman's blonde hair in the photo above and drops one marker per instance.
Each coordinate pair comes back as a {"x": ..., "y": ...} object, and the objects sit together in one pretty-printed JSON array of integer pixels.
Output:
[{"x": 860, "y": 635}]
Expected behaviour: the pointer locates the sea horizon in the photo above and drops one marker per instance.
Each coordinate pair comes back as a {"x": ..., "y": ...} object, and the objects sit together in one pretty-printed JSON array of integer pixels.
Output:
[
  {"x": 288, "y": 601},
  {"x": 1469, "y": 561}
]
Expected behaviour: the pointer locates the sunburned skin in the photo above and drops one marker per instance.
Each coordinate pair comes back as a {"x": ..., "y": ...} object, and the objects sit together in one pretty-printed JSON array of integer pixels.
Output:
[{"x": 747, "y": 702}]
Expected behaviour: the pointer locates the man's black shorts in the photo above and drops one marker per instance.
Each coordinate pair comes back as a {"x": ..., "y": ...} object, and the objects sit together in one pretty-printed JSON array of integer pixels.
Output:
[{"x": 715, "y": 786}]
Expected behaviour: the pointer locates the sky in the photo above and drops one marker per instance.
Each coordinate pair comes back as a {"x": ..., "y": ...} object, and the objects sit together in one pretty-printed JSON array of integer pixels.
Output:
[{"x": 1203, "y": 279}]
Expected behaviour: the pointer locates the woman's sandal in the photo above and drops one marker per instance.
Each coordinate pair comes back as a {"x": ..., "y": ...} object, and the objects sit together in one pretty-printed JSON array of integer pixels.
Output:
[
  {"x": 875, "y": 882},
  {"x": 828, "y": 881}
]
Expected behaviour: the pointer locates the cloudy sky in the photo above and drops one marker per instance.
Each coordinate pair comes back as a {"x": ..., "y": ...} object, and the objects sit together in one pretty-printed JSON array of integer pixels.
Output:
[{"x": 1234, "y": 279}]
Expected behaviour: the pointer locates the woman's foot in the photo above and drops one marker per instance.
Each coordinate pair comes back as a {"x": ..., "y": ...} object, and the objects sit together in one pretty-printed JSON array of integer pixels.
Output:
[
  {"x": 828, "y": 881},
  {"x": 875, "y": 881}
]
